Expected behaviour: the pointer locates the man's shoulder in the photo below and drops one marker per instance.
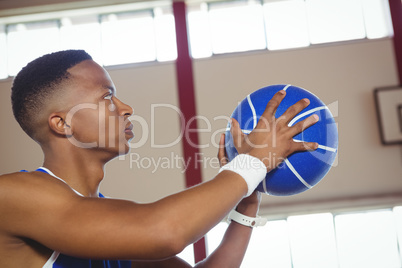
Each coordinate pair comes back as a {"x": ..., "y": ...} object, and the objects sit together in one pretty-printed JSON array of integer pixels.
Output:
[
  {"x": 31, "y": 185},
  {"x": 15, "y": 179},
  {"x": 24, "y": 195},
  {"x": 22, "y": 179},
  {"x": 19, "y": 174},
  {"x": 24, "y": 199}
]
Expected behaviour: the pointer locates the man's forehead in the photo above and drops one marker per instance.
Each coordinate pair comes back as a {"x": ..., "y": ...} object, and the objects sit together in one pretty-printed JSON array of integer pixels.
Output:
[
  {"x": 89, "y": 72},
  {"x": 86, "y": 67}
]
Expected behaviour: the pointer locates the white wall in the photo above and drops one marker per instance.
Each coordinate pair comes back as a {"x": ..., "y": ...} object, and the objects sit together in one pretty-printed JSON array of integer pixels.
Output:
[{"x": 346, "y": 74}]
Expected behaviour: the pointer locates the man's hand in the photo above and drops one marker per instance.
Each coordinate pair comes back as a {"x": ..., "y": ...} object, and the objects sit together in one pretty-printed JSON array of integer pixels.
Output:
[{"x": 272, "y": 139}]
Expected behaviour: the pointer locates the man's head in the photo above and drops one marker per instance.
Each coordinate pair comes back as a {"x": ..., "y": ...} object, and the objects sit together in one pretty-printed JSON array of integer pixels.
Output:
[
  {"x": 67, "y": 98},
  {"x": 38, "y": 83}
]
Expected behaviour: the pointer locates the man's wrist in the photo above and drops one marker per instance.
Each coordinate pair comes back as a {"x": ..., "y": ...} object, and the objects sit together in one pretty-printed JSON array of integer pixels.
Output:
[
  {"x": 250, "y": 168},
  {"x": 248, "y": 210}
]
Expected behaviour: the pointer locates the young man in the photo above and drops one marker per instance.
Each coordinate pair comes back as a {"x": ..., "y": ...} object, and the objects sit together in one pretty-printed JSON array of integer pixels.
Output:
[{"x": 53, "y": 217}]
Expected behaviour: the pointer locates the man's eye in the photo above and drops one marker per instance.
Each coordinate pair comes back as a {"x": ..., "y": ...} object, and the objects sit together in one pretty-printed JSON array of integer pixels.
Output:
[{"x": 108, "y": 96}]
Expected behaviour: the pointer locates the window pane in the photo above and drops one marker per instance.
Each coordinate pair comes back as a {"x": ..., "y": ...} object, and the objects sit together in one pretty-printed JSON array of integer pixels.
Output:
[
  {"x": 127, "y": 38},
  {"x": 165, "y": 35},
  {"x": 367, "y": 240},
  {"x": 312, "y": 241},
  {"x": 42, "y": 37},
  {"x": 269, "y": 247},
  {"x": 236, "y": 26},
  {"x": 3, "y": 53},
  {"x": 377, "y": 18},
  {"x": 335, "y": 20},
  {"x": 82, "y": 33},
  {"x": 286, "y": 24},
  {"x": 398, "y": 224},
  {"x": 187, "y": 254},
  {"x": 199, "y": 33}
]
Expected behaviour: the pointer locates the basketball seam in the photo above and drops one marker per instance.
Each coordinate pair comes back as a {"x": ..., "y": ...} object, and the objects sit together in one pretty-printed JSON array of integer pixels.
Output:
[
  {"x": 253, "y": 111},
  {"x": 264, "y": 186},
  {"x": 323, "y": 147},
  {"x": 306, "y": 113},
  {"x": 294, "y": 171},
  {"x": 286, "y": 87}
]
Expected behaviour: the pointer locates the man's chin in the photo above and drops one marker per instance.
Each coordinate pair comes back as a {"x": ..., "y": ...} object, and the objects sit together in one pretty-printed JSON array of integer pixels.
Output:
[
  {"x": 123, "y": 150},
  {"x": 117, "y": 152}
]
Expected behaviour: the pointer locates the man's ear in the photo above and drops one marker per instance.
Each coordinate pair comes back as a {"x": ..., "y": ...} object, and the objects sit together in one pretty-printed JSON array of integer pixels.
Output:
[{"x": 58, "y": 124}]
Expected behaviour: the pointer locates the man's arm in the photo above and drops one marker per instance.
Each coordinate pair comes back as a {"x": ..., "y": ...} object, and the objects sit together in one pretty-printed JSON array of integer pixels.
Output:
[
  {"x": 230, "y": 252},
  {"x": 38, "y": 207}
]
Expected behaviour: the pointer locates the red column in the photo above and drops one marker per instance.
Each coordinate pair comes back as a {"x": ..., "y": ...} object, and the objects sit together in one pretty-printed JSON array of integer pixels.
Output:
[
  {"x": 396, "y": 14},
  {"x": 185, "y": 84}
]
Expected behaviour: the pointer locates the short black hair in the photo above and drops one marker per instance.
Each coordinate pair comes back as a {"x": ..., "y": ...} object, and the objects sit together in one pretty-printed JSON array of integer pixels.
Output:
[{"x": 37, "y": 81}]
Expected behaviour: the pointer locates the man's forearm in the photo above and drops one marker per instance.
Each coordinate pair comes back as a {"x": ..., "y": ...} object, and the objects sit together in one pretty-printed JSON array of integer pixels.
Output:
[
  {"x": 198, "y": 209},
  {"x": 230, "y": 253}
]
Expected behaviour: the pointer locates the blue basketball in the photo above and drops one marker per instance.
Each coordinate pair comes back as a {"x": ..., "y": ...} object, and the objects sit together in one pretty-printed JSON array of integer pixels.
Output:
[{"x": 301, "y": 170}]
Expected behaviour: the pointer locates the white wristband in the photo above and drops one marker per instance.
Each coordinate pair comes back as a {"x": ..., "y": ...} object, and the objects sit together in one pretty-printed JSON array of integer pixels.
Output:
[
  {"x": 252, "y": 169},
  {"x": 245, "y": 220}
]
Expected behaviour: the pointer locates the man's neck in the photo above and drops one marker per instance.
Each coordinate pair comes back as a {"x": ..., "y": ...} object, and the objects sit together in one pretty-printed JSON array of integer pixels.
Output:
[{"x": 81, "y": 170}]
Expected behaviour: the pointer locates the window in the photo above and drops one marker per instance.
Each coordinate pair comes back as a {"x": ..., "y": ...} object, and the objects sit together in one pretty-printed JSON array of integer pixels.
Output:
[
  {"x": 214, "y": 27},
  {"x": 111, "y": 39},
  {"x": 128, "y": 37},
  {"x": 376, "y": 18},
  {"x": 82, "y": 33},
  {"x": 369, "y": 239},
  {"x": 398, "y": 221},
  {"x": 165, "y": 33},
  {"x": 241, "y": 25},
  {"x": 236, "y": 26},
  {"x": 269, "y": 246},
  {"x": 43, "y": 37},
  {"x": 187, "y": 254},
  {"x": 312, "y": 241},
  {"x": 331, "y": 21},
  {"x": 198, "y": 30},
  {"x": 138, "y": 37},
  {"x": 286, "y": 24},
  {"x": 231, "y": 26}
]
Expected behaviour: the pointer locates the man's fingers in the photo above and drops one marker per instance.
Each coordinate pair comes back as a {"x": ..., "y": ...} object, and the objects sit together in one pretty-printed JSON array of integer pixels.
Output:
[
  {"x": 293, "y": 110},
  {"x": 305, "y": 146},
  {"x": 222, "y": 157},
  {"x": 236, "y": 132},
  {"x": 269, "y": 113},
  {"x": 303, "y": 125}
]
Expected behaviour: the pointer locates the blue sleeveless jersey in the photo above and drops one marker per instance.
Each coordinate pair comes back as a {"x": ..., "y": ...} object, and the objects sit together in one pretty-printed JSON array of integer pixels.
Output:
[
  {"x": 58, "y": 260},
  {"x": 64, "y": 261}
]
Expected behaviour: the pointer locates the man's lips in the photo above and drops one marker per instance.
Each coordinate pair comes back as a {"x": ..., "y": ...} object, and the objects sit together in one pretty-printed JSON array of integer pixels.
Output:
[{"x": 129, "y": 129}]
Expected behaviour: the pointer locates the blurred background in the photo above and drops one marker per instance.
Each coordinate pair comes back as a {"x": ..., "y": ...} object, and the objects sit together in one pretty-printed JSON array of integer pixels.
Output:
[{"x": 340, "y": 50}]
